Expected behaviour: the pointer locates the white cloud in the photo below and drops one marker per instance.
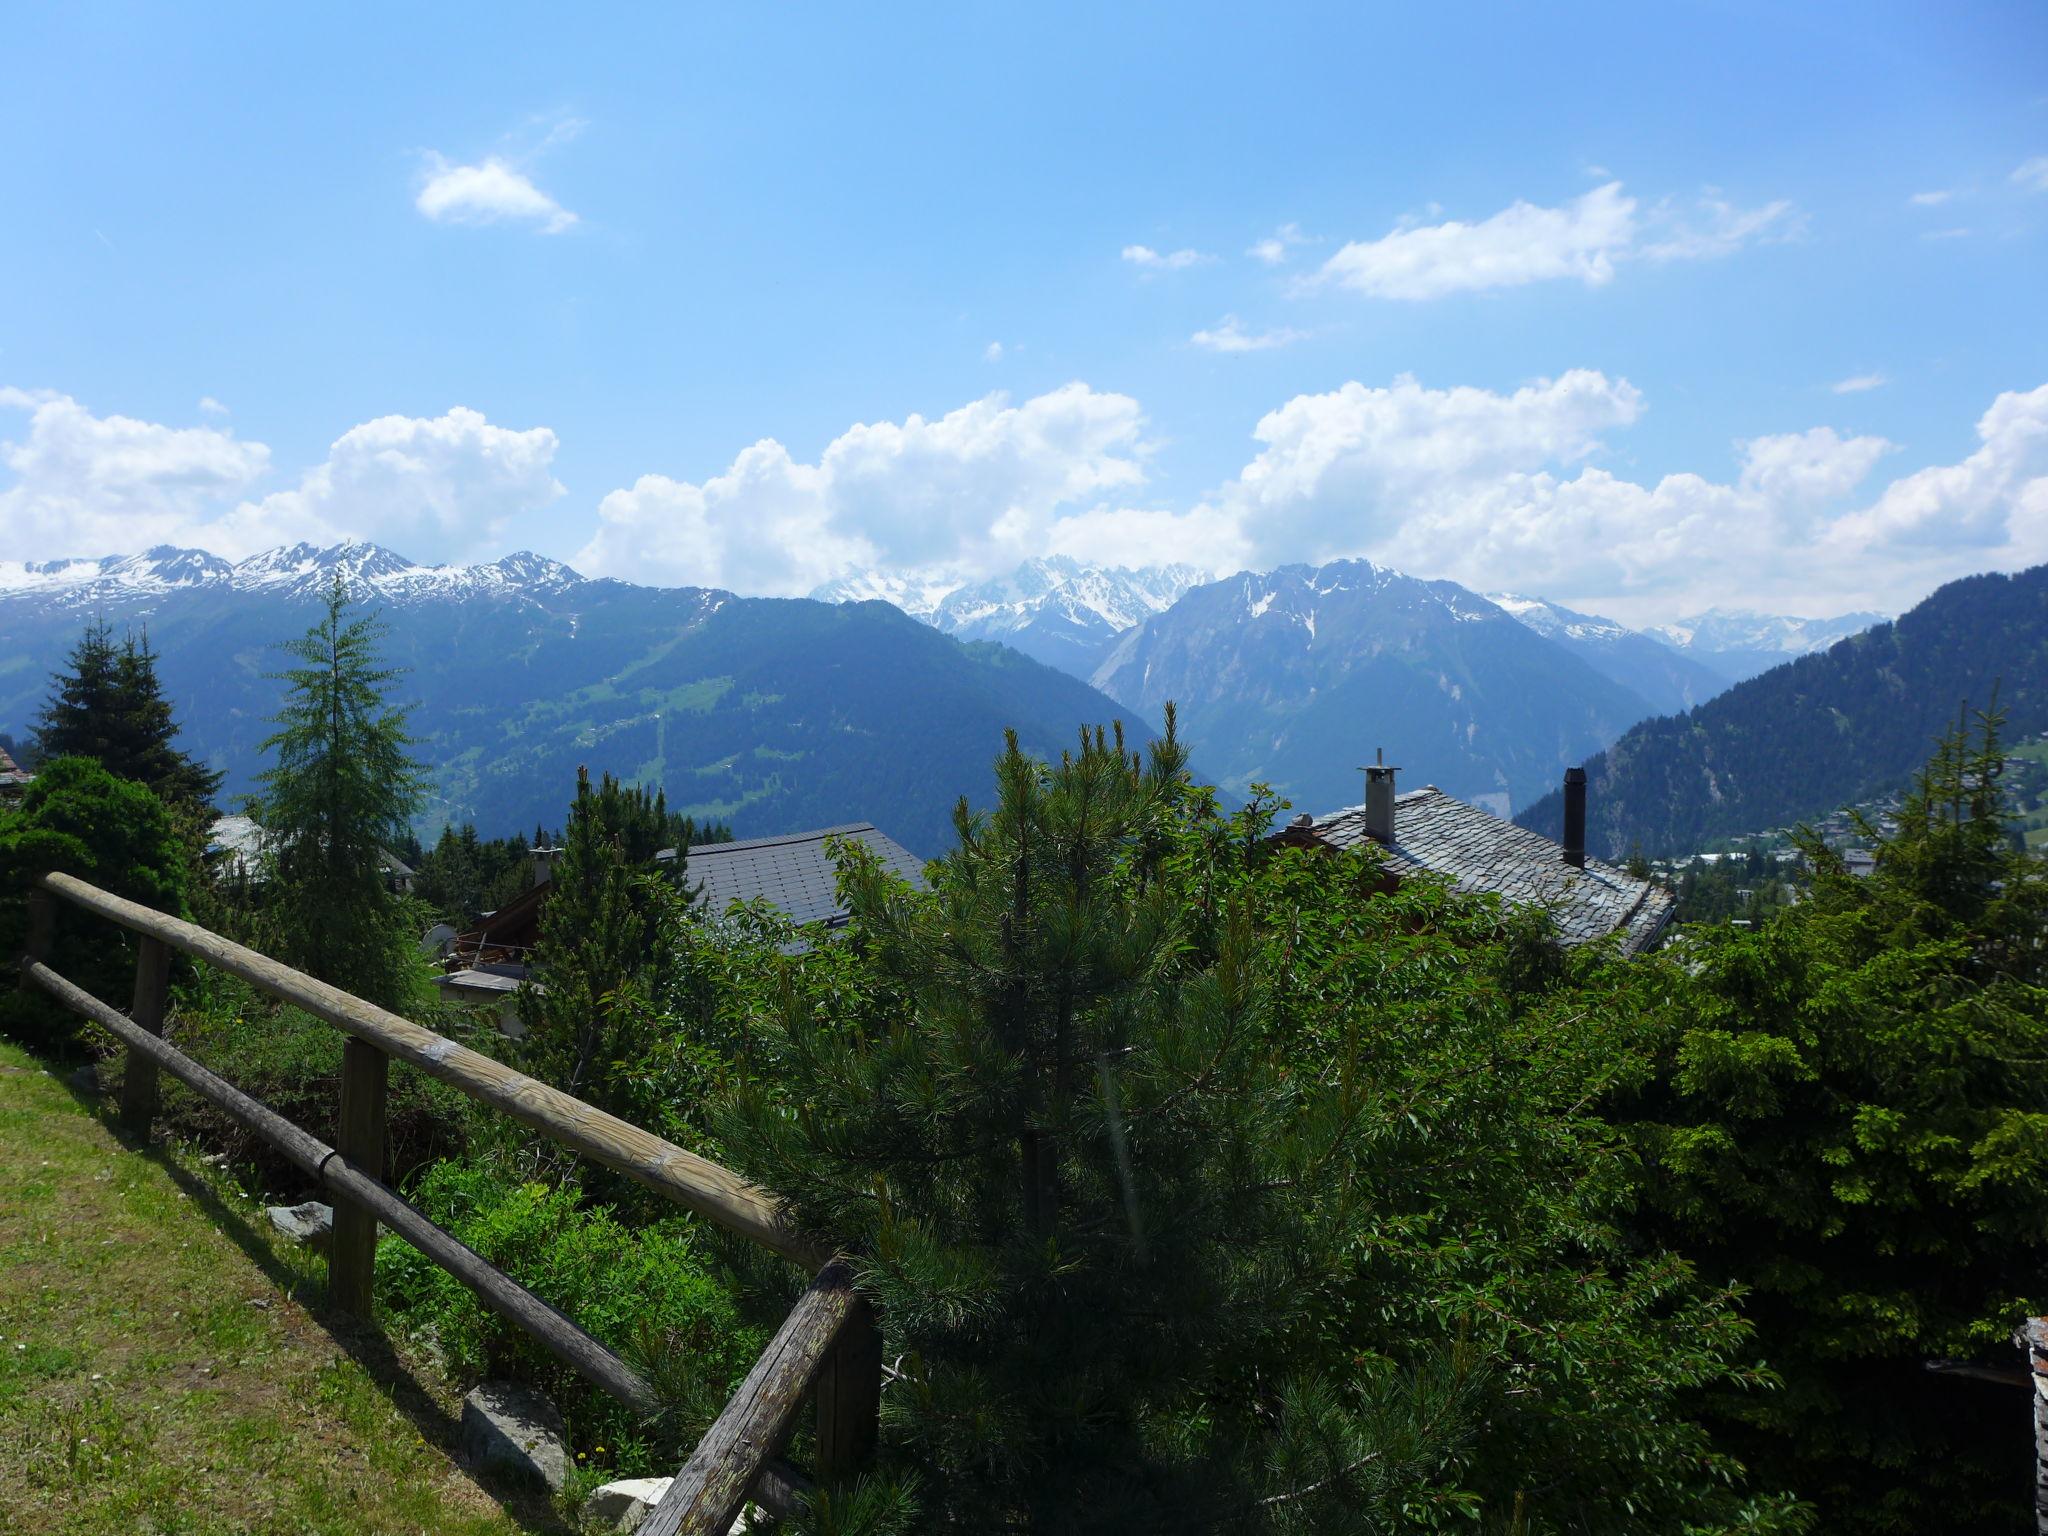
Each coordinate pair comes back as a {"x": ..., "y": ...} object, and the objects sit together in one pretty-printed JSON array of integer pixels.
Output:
[
  {"x": 993, "y": 352},
  {"x": 1146, "y": 259},
  {"x": 2033, "y": 174},
  {"x": 1480, "y": 487},
  {"x": 1582, "y": 240},
  {"x": 1946, "y": 234},
  {"x": 1932, "y": 199},
  {"x": 91, "y": 485},
  {"x": 1856, "y": 384},
  {"x": 1715, "y": 227},
  {"x": 490, "y": 192},
  {"x": 433, "y": 487},
  {"x": 976, "y": 489},
  {"x": 1231, "y": 336},
  {"x": 211, "y": 406},
  {"x": 95, "y": 485},
  {"x": 1274, "y": 248}
]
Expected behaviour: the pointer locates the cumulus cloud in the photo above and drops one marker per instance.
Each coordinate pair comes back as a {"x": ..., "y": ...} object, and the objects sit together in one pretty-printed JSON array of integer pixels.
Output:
[
  {"x": 1229, "y": 335},
  {"x": 2033, "y": 174},
  {"x": 96, "y": 485},
  {"x": 1274, "y": 248},
  {"x": 432, "y": 486},
  {"x": 1481, "y": 487},
  {"x": 1583, "y": 240},
  {"x": 976, "y": 489},
  {"x": 1145, "y": 259},
  {"x": 493, "y": 191},
  {"x": 993, "y": 352},
  {"x": 1856, "y": 384}
]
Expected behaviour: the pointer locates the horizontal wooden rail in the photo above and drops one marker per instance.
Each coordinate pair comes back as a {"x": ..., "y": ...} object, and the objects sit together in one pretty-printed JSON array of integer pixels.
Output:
[
  {"x": 503, "y": 1295},
  {"x": 715, "y": 1482},
  {"x": 713, "y": 1192}
]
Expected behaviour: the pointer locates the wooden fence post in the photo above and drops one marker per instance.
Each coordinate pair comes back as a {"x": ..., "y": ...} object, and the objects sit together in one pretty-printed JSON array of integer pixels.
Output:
[
  {"x": 849, "y": 1393},
  {"x": 352, "y": 1246},
  {"x": 152, "y": 991}
]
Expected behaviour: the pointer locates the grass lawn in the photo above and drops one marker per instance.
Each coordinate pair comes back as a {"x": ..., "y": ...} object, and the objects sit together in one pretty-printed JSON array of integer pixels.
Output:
[{"x": 160, "y": 1371}]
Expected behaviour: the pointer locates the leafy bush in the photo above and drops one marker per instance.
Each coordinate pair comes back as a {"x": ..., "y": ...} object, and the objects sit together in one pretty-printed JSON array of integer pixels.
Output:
[
  {"x": 78, "y": 818},
  {"x": 645, "y": 1292}
]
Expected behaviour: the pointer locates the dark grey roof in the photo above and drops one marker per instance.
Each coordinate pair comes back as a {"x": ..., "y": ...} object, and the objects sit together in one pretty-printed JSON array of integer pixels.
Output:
[
  {"x": 1480, "y": 852},
  {"x": 793, "y": 871}
]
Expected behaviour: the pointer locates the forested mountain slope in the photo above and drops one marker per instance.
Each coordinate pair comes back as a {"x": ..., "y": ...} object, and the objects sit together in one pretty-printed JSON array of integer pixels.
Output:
[
  {"x": 1828, "y": 729},
  {"x": 770, "y": 714}
]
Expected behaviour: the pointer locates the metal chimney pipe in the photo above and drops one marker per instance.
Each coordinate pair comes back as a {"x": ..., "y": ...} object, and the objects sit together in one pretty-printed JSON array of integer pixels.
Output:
[
  {"x": 1575, "y": 816},
  {"x": 1379, "y": 799}
]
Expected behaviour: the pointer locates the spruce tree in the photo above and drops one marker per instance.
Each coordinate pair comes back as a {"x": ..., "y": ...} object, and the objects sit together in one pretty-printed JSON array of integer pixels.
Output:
[
  {"x": 342, "y": 787},
  {"x": 109, "y": 705}
]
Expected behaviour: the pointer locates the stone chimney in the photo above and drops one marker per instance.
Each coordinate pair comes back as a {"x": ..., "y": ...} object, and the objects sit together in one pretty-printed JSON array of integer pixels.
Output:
[
  {"x": 1575, "y": 816},
  {"x": 1379, "y": 799},
  {"x": 544, "y": 864}
]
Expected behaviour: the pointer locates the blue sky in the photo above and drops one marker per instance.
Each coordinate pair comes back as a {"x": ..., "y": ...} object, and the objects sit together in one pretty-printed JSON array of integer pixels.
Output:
[{"x": 1563, "y": 303}]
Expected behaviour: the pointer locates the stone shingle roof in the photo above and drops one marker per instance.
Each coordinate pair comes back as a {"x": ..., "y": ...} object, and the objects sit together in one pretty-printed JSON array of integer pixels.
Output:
[
  {"x": 793, "y": 871},
  {"x": 1479, "y": 852}
]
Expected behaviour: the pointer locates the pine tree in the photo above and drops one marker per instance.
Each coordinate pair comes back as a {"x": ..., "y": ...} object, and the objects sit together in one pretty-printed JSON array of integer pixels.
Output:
[
  {"x": 109, "y": 706},
  {"x": 1075, "y": 1177},
  {"x": 342, "y": 787}
]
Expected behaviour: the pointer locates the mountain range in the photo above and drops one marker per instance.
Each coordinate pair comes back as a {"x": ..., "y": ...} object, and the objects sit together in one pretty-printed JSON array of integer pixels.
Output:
[
  {"x": 770, "y": 714},
  {"x": 1829, "y": 729},
  {"x": 1055, "y": 609},
  {"x": 883, "y": 697}
]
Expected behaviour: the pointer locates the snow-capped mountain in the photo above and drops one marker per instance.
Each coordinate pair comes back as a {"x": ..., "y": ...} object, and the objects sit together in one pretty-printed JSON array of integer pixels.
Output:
[
  {"x": 768, "y": 714},
  {"x": 1054, "y": 609},
  {"x": 1292, "y": 678},
  {"x": 1739, "y": 643},
  {"x": 367, "y": 570},
  {"x": 1668, "y": 679}
]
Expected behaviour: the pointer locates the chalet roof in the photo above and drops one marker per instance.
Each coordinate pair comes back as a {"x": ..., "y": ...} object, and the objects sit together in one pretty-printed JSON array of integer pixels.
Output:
[
  {"x": 1479, "y": 852},
  {"x": 12, "y": 776},
  {"x": 794, "y": 871}
]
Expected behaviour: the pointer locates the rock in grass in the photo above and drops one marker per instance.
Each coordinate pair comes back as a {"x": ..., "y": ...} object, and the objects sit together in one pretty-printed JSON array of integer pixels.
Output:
[
  {"x": 517, "y": 1431},
  {"x": 87, "y": 1079},
  {"x": 621, "y": 1506},
  {"x": 309, "y": 1223}
]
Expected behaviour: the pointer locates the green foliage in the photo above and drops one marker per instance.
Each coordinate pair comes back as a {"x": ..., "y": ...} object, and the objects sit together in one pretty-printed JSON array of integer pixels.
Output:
[
  {"x": 645, "y": 1292},
  {"x": 291, "y": 1061},
  {"x": 1849, "y": 1117},
  {"x": 591, "y": 971},
  {"x": 464, "y": 875},
  {"x": 341, "y": 789},
  {"x": 1749, "y": 887},
  {"x": 1204, "y": 1187},
  {"x": 78, "y": 818},
  {"x": 110, "y": 706}
]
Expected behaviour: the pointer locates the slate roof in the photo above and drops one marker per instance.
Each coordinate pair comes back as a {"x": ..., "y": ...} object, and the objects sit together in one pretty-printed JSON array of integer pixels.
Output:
[
  {"x": 1479, "y": 852},
  {"x": 793, "y": 871}
]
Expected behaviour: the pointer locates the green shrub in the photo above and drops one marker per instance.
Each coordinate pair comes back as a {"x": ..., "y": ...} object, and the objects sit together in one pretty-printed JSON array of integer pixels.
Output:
[
  {"x": 291, "y": 1061},
  {"x": 78, "y": 818},
  {"x": 645, "y": 1293}
]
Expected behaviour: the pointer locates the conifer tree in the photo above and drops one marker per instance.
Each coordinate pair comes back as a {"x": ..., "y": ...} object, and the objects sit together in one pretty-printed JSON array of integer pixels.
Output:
[
  {"x": 342, "y": 787},
  {"x": 1072, "y": 1170},
  {"x": 596, "y": 954},
  {"x": 109, "y": 705}
]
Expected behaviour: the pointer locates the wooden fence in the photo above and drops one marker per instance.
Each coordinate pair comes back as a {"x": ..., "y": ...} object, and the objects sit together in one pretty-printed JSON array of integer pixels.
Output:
[{"x": 827, "y": 1349}]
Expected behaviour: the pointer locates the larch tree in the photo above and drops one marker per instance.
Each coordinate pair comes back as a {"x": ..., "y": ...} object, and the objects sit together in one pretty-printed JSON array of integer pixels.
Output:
[{"x": 341, "y": 789}]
